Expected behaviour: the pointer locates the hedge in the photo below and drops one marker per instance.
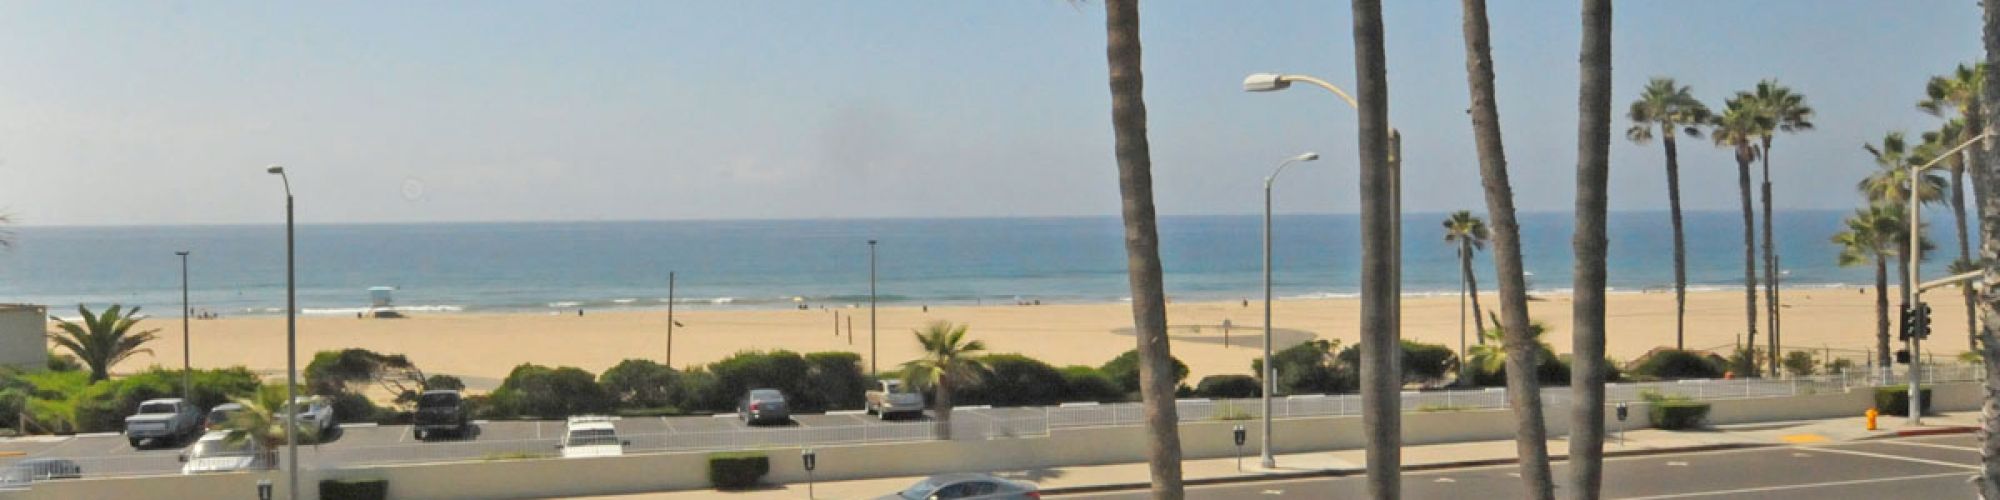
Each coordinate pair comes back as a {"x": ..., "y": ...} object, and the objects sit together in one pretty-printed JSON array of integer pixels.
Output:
[
  {"x": 365, "y": 489},
  {"x": 1124, "y": 370},
  {"x": 1083, "y": 383},
  {"x": 1896, "y": 400},
  {"x": 737, "y": 470},
  {"x": 1678, "y": 364},
  {"x": 1679, "y": 415},
  {"x": 1227, "y": 386},
  {"x": 1014, "y": 380}
]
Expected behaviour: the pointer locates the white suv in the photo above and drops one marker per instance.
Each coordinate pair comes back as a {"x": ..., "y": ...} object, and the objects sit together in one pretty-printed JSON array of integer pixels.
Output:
[
  {"x": 315, "y": 412},
  {"x": 591, "y": 436}
]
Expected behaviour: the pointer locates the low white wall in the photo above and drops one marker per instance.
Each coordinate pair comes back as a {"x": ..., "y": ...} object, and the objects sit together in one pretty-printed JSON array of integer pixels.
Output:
[{"x": 1063, "y": 447}]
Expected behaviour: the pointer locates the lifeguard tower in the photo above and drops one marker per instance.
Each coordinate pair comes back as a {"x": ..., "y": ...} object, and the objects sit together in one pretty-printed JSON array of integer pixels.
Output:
[{"x": 381, "y": 304}]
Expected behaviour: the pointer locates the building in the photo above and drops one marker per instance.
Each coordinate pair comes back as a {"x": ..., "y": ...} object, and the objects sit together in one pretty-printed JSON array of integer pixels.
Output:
[{"x": 24, "y": 331}]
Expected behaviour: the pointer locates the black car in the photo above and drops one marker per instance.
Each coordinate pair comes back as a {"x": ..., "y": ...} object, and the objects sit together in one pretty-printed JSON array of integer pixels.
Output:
[
  {"x": 441, "y": 411},
  {"x": 40, "y": 469}
]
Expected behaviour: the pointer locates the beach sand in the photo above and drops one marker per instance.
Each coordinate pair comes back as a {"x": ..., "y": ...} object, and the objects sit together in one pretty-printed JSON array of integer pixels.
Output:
[{"x": 482, "y": 348}]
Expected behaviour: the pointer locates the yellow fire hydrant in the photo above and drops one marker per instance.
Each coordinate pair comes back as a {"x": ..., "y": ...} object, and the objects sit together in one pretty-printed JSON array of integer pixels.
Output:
[{"x": 1871, "y": 418}]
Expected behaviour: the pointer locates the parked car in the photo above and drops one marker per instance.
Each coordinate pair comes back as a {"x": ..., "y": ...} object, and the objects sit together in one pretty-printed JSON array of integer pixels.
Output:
[
  {"x": 763, "y": 406},
  {"x": 219, "y": 415},
  {"x": 315, "y": 412},
  {"x": 966, "y": 486},
  {"x": 215, "y": 453},
  {"x": 441, "y": 411},
  {"x": 591, "y": 436},
  {"x": 891, "y": 401},
  {"x": 40, "y": 469},
  {"x": 163, "y": 420}
]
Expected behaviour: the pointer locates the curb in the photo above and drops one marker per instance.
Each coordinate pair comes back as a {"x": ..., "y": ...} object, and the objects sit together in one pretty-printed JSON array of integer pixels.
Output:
[
  {"x": 1101, "y": 488},
  {"x": 1935, "y": 431}
]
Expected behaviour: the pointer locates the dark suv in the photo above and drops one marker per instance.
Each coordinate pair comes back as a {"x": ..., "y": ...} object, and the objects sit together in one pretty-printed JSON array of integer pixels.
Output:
[{"x": 441, "y": 411}]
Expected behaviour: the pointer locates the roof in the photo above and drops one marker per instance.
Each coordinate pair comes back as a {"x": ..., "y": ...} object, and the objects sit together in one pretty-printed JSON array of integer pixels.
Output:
[{"x": 22, "y": 307}]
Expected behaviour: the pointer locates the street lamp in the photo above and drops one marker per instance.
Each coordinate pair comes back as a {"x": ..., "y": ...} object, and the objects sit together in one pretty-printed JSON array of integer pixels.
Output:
[
  {"x": 187, "y": 384},
  {"x": 1270, "y": 379},
  {"x": 1272, "y": 82},
  {"x": 1915, "y": 298},
  {"x": 291, "y": 342}
]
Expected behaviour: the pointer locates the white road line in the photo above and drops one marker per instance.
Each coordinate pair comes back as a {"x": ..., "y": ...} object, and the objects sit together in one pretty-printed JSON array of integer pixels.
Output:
[
  {"x": 1830, "y": 449},
  {"x": 848, "y": 412},
  {"x": 362, "y": 425},
  {"x": 1931, "y": 445},
  {"x": 1741, "y": 491},
  {"x": 97, "y": 435}
]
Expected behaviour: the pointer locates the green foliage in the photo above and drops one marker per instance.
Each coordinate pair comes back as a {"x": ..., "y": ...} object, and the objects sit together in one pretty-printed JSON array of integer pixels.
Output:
[
  {"x": 1124, "y": 370},
  {"x": 64, "y": 402},
  {"x": 1083, "y": 383},
  {"x": 102, "y": 340},
  {"x": 1800, "y": 363},
  {"x": 1489, "y": 361},
  {"x": 1679, "y": 364},
  {"x": 1840, "y": 366},
  {"x": 1426, "y": 364},
  {"x": 1678, "y": 415},
  {"x": 1896, "y": 400},
  {"x": 736, "y": 375},
  {"x": 833, "y": 381},
  {"x": 640, "y": 383},
  {"x": 541, "y": 391},
  {"x": 350, "y": 407},
  {"x": 361, "y": 489},
  {"x": 263, "y": 420},
  {"x": 442, "y": 382},
  {"x": 1743, "y": 361},
  {"x": 737, "y": 470},
  {"x": 1014, "y": 380},
  {"x": 1227, "y": 386},
  {"x": 1311, "y": 368},
  {"x": 696, "y": 387},
  {"x": 332, "y": 373},
  {"x": 62, "y": 363}
]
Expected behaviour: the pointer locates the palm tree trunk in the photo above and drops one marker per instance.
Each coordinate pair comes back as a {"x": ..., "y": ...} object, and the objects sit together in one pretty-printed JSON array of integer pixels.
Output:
[
  {"x": 943, "y": 405},
  {"x": 1524, "y": 395},
  {"x": 1882, "y": 314},
  {"x": 1989, "y": 252},
  {"x": 1680, "y": 244},
  {"x": 1964, "y": 250},
  {"x": 1142, "y": 246},
  {"x": 1472, "y": 287},
  {"x": 1381, "y": 378},
  {"x": 1593, "y": 172},
  {"x": 1749, "y": 258},
  {"x": 1770, "y": 268}
]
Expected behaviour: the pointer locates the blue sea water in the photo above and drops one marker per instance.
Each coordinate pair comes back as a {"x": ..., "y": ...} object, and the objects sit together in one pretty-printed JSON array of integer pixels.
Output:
[{"x": 594, "y": 265}]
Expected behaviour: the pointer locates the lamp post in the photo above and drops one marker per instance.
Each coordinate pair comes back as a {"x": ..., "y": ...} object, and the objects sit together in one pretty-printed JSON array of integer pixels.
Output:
[
  {"x": 670, "y": 319},
  {"x": 872, "y": 373},
  {"x": 187, "y": 381},
  {"x": 1270, "y": 372},
  {"x": 291, "y": 342},
  {"x": 1272, "y": 82},
  {"x": 1915, "y": 253}
]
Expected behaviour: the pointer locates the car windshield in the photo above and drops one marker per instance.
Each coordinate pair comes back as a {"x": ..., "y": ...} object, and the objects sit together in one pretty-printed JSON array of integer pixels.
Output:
[
  {"x": 156, "y": 408},
  {"x": 437, "y": 400},
  {"x": 219, "y": 447},
  {"x": 593, "y": 437}
]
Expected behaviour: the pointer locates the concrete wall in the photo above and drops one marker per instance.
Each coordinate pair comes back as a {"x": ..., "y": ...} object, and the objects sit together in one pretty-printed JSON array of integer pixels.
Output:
[
  {"x": 1076, "y": 446},
  {"x": 24, "y": 333}
]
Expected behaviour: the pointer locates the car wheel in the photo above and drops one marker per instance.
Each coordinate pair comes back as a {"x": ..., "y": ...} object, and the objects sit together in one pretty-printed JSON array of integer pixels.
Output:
[
  {"x": 422, "y": 436},
  {"x": 136, "y": 442}
]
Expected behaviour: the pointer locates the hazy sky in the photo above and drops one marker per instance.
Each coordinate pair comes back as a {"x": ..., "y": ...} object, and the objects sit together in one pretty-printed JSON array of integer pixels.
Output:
[{"x": 168, "y": 112}]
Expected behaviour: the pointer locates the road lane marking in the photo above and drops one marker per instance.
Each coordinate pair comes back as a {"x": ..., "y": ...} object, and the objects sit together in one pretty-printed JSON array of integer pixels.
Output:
[
  {"x": 1895, "y": 457},
  {"x": 97, "y": 435},
  {"x": 1741, "y": 491},
  {"x": 1677, "y": 464},
  {"x": 1932, "y": 445},
  {"x": 848, "y": 412}
]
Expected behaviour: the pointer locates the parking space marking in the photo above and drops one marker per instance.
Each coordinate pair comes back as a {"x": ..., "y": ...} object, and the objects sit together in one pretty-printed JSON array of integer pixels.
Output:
[
  {"x": 1929, "y": 445},
  {"x": 1741, "y": 491},
  {"x": 670, "y": 425},
  {"x": 1830, "y": 449}
]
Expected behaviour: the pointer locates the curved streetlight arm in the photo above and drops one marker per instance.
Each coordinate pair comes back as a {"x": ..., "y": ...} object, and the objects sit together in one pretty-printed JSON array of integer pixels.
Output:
[
  {"x": 1288, "y": 162},
  {"x": 1322, "y": 84}
]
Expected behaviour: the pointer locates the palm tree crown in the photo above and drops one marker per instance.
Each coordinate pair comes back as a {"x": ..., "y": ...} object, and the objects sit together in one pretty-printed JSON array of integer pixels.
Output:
[
  {"x": 1669, "y": 107},
  {"x": 1891, "y": 184},
  {"x": 100, "y": 341},
  {"x": 948, "y": 358},
  {"x": 1463, "y": 227},
  {"x": 1779, "y": 109},
  {"x": 1956, "y": 93},
  {"x": 1740, "y": 127}
]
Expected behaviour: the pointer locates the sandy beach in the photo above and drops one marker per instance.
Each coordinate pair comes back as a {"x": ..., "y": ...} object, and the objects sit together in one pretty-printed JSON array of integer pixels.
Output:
[{"x": 481, "y": 348}]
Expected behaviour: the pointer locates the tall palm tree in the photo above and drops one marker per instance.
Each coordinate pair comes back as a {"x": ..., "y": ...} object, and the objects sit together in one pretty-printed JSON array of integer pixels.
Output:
[
  {"x": 1783, "y": 111},
  {"x": 1890, "y": 185},
  {"x": 1989, "y": 249},
  {"x": 1469, "y": 233},
  {"x": 1865, "y": 240},
  {"x": 1937, "y": 142},
  {"x": 100, "y": 341},
  {"x": 1956, "y": 95},
  {"x": 1590, "y": 244},
  {"x": 1524, "y": 395},
  {"x": 1381, "y": 377},
  {"x": 949, "y": 361},
  {"x": 1739, "y": 128},
  {"x": 1142, "y": 246},
  {"x": 1670, "y": 108}
]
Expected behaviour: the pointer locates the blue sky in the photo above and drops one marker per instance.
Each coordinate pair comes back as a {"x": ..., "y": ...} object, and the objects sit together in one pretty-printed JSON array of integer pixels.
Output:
[{"x": 167, "y": 112}]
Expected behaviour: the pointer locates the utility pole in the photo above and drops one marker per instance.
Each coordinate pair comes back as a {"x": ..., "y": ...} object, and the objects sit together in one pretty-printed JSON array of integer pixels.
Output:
[{"x": 670, "y": 319}]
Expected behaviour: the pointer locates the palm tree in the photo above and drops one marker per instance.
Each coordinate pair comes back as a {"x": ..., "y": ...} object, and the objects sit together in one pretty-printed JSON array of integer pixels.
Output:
[
  {"x": 1470, "y": 234},
  {"x": 262, "y": 422},
  {"x": 949, "y": 361},
  {"x": 1739, "y": 128},
  {"x": 1890, "y": 186},
  {"x": 100, "y": 341},
  {"x": 1142, "y": 246},
  {"x": 1957, "y": 96},
  {"x": 1935, "y": 143},
  {"x": 1590, "y": 244},
  {"x": 1670, "y": 108},
  {"x": 1523, "y": 391},
  {"x": 1783, "y": 111},
  {"x": 1989, "y": 248},
  {"x": 1380, "y": 346},
  {"x": 6, "y": 236},
  {"x": 1867, "y": 239}
]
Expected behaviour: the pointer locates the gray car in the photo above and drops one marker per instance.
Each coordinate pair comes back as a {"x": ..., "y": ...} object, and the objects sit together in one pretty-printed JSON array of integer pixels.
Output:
[
  {"x": 968, "y": 486},
  {"x": 763, "y": 406}
]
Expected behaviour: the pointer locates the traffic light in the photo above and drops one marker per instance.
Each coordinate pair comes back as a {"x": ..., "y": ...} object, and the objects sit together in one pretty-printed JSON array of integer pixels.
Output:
[
  {"x": 1922, "y": 320},
  {"x": 1903, "y": 324}
]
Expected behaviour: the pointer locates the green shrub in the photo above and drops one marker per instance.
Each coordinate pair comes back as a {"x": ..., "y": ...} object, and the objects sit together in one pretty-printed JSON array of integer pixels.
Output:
[
  {"x": 350, "y": 407},
  {"x": 695, "y": 388},
  {"x": 1896, "y": 400},
  {"x": 1083, "y": 383},
  {"x": 1227, "y": 386},
  {"x": 363, "y": 489},
  {"x": 1124, "y": 370},
  {"x": 62, "y": 363},
  {"x": 1311, "y": 368},
  {"x": 1422, "y": 363},
  {"x": 834, "y": 381},
  {"x": 541, "y": 391},
  {"x": 442, "y": 382},
  {"x": 1799, "y": 363},
  {"x": 1679, "y": 415},
  {"x": 736, "y": 375},
  {"x": 639, "y": 383},
  {"x": 1014, "y": 380},
  {"x": 1679, "y": 364},
  {"x": 1840, "y": 366},
  {"x": 738, "y": 470},
  {"x": 664, "y": 411}
]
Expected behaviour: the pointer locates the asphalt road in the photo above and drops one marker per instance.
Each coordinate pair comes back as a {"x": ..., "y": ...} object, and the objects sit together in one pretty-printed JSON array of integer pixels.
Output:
[{"x": 1929, "y": 467}]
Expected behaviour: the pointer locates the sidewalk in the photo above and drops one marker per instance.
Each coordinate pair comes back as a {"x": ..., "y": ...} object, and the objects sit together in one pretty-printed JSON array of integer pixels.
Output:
[{"x": 1346, "y": 462}]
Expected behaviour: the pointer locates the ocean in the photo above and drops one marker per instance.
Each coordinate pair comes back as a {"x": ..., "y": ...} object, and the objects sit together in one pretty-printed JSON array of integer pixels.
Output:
[{"x": 562, "y": 266}]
